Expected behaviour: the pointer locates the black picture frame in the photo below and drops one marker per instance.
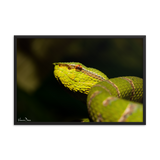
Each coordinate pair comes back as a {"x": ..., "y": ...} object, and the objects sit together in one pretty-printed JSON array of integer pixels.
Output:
[{"x": 143, "y": 35}]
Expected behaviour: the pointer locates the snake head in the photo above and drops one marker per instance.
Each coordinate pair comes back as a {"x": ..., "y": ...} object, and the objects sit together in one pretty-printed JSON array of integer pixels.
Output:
[{"x": 77, "y": 77}]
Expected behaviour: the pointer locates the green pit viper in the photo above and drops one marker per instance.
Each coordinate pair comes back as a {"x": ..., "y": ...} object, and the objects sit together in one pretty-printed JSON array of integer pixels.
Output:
[{"x": 108, "y": 100}]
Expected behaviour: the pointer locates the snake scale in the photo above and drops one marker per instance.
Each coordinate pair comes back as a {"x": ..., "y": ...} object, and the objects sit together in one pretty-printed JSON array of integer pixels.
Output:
[{"x": 108, "y": 100}]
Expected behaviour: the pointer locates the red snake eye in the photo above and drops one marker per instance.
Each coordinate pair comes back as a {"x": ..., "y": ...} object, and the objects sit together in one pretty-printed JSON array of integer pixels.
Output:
[{"x": 78, "y": 67}]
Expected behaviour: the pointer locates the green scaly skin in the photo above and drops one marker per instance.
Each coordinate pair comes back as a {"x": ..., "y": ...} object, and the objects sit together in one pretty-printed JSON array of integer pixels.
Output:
[{"x": 108, "y": 100}]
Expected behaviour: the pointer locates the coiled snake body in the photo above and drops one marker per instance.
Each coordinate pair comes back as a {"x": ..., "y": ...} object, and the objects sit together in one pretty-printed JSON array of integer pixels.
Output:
[{"x": 108, "y": 100}]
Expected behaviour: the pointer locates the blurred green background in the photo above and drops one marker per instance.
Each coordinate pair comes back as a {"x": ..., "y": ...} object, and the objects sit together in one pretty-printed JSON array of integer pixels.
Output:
[{"x": 39, "y": 96}]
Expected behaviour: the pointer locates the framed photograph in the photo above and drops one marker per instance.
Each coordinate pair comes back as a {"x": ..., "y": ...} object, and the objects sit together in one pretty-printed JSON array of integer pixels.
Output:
[{"x": 80, "y": 80}]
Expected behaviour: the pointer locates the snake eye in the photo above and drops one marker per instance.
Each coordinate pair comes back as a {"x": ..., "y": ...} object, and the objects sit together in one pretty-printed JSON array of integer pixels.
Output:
[{"x": 78, "y": 67}]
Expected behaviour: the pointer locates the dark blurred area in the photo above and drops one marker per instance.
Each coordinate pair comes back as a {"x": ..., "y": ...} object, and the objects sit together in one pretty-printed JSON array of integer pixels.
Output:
[{"x": 39, "y": 96}]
